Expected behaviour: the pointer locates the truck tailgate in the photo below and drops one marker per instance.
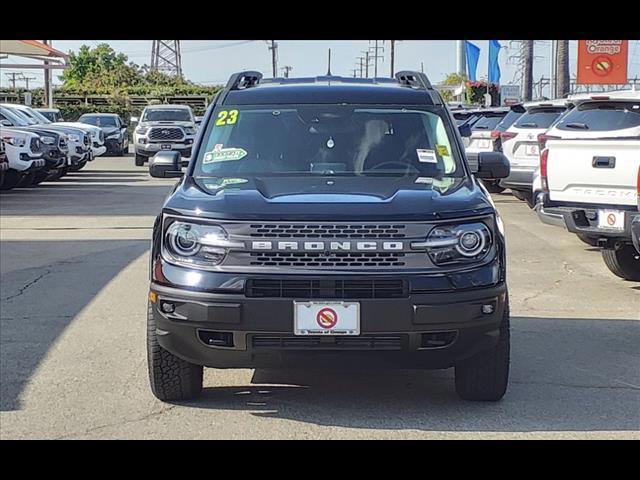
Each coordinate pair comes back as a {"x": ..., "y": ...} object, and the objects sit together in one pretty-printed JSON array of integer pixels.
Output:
[{"x": 596, "y": 171}]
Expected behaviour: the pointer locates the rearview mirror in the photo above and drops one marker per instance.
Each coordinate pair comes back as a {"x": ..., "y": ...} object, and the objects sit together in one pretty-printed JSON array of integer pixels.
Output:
[
  {"x": 493, "y": 165},
  {"x": 165, "y": 165},
  {"x": 465, "y": 130}
]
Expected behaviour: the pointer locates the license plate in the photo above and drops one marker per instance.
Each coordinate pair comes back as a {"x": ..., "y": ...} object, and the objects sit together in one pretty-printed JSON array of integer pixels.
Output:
[
  {"x": 484, "y": 143},
  {"x": 531, "y": 150},
  {"x": 165, "y": 146},
  {"x": 611, "y": 219},
  {"x": 326, "y": 318}
]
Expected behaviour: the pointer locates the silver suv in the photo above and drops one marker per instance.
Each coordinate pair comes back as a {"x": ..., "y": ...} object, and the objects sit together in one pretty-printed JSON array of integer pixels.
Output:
[{"x": 164, "y": 127}]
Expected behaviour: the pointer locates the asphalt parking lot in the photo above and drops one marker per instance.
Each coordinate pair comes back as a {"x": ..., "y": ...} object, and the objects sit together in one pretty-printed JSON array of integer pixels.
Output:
[{"x": 73, "y": 272}]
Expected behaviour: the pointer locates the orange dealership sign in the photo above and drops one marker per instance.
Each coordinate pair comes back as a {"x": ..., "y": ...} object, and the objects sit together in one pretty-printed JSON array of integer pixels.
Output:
[{"x": 602, "y": 62}]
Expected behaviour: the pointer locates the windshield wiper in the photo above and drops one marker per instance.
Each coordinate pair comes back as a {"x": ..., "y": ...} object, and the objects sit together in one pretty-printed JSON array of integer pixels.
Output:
[
  {"x": 582, "y": 126},
  {"x": 529, "y": 125}
]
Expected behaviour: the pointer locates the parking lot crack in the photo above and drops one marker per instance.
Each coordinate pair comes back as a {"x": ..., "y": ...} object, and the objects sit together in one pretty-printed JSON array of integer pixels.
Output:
[{"x": 27, "y": 286}]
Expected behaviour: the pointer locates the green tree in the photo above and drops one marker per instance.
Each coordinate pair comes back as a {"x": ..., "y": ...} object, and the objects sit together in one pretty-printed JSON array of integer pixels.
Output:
[{"x": 453, "y": 80}]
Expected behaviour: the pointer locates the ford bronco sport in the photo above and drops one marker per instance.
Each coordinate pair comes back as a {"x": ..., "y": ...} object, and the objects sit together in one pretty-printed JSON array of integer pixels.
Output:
[{"x": 326, "y": 222}]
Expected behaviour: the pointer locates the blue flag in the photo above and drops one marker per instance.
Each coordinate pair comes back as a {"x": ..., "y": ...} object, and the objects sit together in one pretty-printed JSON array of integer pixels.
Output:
[
  {"x": 494, "y": 66},
  {"x": 473, "y": 54}
]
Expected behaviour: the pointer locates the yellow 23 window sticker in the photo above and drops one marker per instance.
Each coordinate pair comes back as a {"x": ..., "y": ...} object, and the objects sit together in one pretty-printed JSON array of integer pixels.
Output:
[
  {"x": 227, "y": 117},
  {"x": 443, "y": 151}
]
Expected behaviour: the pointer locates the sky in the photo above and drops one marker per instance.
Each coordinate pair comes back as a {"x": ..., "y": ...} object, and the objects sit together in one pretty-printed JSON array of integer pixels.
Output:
[{"x": 212, "y": 62}]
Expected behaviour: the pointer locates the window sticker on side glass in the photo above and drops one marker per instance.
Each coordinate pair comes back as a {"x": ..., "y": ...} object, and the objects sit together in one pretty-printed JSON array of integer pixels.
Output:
[
  {"x": 220, "y": 154},
  {"x": 428, "y": 156},
  {"x": 443, "y": 151}
]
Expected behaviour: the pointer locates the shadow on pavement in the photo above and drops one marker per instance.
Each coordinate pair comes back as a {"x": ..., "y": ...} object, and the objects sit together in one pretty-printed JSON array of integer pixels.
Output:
[
  {"x": 39, "y": 302},
  {"x": 566, "y": 375}
]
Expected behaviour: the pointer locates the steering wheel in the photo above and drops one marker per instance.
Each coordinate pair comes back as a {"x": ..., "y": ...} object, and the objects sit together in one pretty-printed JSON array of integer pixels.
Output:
[{"x": 403, "y": 165}]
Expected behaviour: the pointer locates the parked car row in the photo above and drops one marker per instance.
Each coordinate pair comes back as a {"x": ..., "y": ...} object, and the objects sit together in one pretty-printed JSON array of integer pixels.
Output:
[
  {"x": 576, "y": 161},
  {"x": 40, "y": 148}
]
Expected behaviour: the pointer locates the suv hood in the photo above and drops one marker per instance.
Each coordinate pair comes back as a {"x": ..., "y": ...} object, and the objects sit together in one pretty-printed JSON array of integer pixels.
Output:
[
  {"x": 329, "y": 198},
  {"x": 168, "y": 123}
]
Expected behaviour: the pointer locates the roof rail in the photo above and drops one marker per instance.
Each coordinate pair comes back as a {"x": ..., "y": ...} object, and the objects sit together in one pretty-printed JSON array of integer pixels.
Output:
[
  {"x": 240, "y": 81},
  {"x": 419, "y": 80}
]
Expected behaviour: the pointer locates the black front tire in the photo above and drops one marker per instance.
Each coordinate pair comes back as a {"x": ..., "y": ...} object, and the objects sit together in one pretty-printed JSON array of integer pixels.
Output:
[
  {"x": 171, "y": 377},
  {"x": 484, "y": 377},
  {"x": 140, "y": 160},
  {"x": 623, "y": 262},
  {"x": 11, "y": 180},
  {"x": 493, "y": 187}
]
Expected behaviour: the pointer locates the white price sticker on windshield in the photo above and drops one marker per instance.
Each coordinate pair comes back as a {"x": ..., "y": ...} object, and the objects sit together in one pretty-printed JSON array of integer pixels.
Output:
[{"x": 428, "y": 156}]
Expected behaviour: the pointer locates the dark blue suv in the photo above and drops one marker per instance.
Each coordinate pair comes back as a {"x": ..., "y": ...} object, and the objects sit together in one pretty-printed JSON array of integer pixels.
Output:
[{"x": 329, "y": 222}]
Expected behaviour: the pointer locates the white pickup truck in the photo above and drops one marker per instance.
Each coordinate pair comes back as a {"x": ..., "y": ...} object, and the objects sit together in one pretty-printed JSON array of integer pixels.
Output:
[{"x": 590, "y": 177}]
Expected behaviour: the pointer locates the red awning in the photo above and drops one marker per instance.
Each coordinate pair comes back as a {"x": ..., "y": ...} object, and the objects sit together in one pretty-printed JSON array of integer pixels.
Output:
[{"x": 29, "y": 48}]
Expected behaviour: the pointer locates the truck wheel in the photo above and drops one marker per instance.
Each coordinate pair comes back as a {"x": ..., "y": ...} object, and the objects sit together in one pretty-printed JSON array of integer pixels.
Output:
[
  {"x": 81, "y": 165},
  {"x": 493, "y": 187},
  {"x": 484, "y": 377},
  {"x": 26, "y": 180},
  {"x": 140, "y": 160},
  {"x": 171, "y": 377},
  {"x": 593, "y": 241},
  {"x": 623, "y": 262},
  {"x": 40, "y": 176},
  {"x": 11, "y": 180}
]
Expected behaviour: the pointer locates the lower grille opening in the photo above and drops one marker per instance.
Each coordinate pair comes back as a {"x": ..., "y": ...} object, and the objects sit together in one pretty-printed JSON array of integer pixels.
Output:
[
  {"x": 438, "y": 339},
  {"x": 329, "y": 288},
  {"x": 325, "y": 342},
  {"x": 216, "y": 339}
]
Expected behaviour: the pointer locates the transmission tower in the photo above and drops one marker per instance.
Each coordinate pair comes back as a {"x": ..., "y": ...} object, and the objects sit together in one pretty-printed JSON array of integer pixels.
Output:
[{"x": 165, "y": 57}]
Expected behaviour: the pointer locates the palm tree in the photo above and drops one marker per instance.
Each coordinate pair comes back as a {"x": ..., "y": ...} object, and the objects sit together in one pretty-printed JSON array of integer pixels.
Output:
[{"x": 562, "y": 69}]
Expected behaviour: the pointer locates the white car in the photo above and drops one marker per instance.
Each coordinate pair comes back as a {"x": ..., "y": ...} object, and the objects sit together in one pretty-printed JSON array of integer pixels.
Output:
[
  {"x": 520, "y": 144},
  {"x": 24, "y": 154},
  {"x": 164, "y": 127},
  {"x": 589, "y": 176}
]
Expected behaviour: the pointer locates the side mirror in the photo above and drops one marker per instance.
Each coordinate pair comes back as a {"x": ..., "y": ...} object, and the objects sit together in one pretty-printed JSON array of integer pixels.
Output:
[
  {"x": 5, "y": 123},
  {"x": 165, "y": 165},
  {"x": 134, "y": 119},
  {"x": 493, "y": 165},
  {"x": 125, "y": 125},
  {"x": 465, "y": 130}
]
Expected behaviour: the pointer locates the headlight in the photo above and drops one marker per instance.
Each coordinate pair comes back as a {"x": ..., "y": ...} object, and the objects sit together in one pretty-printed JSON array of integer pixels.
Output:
[
  {"x": 114, "y": 135},
  {"x": 74, "y": 138},
  {"x": 15, "y": 141},
  {"x": 462, "y": 243},
  {"x": 190, "y": 130},
  {"x": 48, "y": 140},
  {"x": 198, "y": 245},
  {"x": 141, "y": 130}
]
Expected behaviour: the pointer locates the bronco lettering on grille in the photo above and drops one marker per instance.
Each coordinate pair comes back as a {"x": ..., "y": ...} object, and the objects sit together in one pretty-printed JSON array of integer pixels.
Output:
[{"x": 328, "y": 246}]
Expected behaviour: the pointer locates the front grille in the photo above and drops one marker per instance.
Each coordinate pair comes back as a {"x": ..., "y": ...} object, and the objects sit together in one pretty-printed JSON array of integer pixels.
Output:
[
  {"x": 35, "y": 145},
  {"x": 288, "y": 342},
  {"x": 86, "y": 140},
  {"x": 325, "y": 289},
  {"x": 165, "y": 133},
  {"x": 335, "y": 259},
  {"x": 322, "y": 230}
]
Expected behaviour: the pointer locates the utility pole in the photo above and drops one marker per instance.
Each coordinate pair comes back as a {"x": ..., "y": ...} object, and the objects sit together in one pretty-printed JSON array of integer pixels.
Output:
[
  {"x": 48, "y": 91},
  {"x": 528, "y": 70},
  {"x": 461, "y": 58},
  {"x": 329, "y": 65},
  {"x": 361, "y": 65},
  {"x": 393, "y": 44},
  {"x": 375, "y": 56},
  {"x": 552, "y": 69},
  {"x": 286, "y": 69},
  {"x": 12, "y": 78},
  {"x": 274, "y": 57},
  {"x": 354, "y": 72},
  {"x": 422, "y": 67},
  {"x": 366, "y": 63},
  {"x": 26, "y": 79}
]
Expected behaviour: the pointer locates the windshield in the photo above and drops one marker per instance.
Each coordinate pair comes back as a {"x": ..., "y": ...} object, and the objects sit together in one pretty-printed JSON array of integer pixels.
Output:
[
  {"x": 166, "y": 115},
  {"x": 17, "y": 118},
  {"x": 508, "y": 120},
  {"x": 538, "y": 118},
  {"x": 99, "y": 120},
  {"x": 602, "y": 116},
  {"x": 327, "y": 140},
  {"x": 487, "y": 123},
  {"x": 51, "y": 116}
]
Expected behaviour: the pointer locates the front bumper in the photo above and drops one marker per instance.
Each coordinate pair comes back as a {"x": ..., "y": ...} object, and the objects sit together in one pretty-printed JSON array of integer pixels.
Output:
[
  {"x": 394, "y": 332},
  {"x": 113, "y": 144},
  {"x": 98, "y": 150},
  {"x": 520, "y": 178},
  {"x": 150, "y": 149}
]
